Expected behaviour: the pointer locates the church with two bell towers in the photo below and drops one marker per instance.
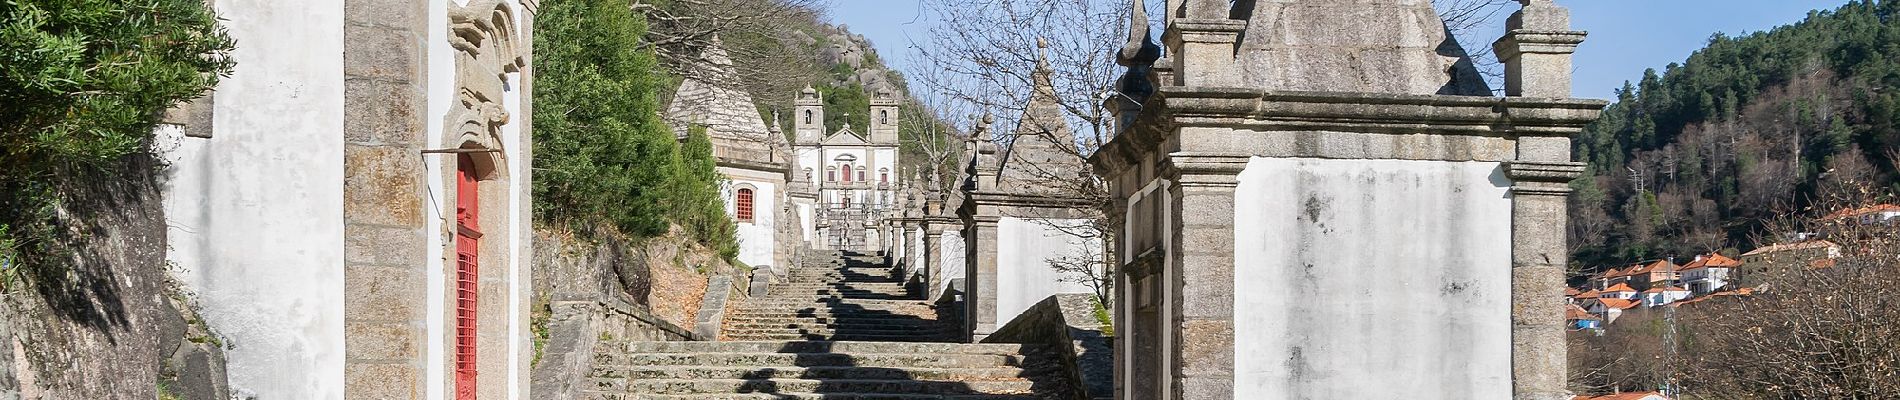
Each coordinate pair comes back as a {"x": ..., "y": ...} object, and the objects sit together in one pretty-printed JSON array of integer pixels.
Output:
[{"x": 847, "y": 178}]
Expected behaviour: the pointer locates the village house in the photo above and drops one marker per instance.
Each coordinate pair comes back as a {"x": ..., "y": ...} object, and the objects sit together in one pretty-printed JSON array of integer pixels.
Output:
[
  {"x": 1663, "y": 295},
  {"x": 1708, "y": 273},
  {"x": 1620, "y": 291},
  {"x": 1610, "y": 308},
  {"x": 1657, "y": 274}
]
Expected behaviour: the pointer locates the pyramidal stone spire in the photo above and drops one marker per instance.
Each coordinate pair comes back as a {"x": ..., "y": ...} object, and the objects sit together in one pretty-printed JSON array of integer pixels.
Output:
[
  {"x": 713, "y": 96},
  {"x": 1369, "y": 46},
  {"x": 1042, "y": 151}
]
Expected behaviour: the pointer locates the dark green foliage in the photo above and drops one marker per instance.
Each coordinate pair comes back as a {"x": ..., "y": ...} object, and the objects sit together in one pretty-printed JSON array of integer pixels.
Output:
[
  {"x": 1744, "y": 130},
  {"x": 603, "y": 156},
  {"x": 82, "y": 84},
  {"x": 846, "y": 104},
  {"x": 697, "y": 205}
]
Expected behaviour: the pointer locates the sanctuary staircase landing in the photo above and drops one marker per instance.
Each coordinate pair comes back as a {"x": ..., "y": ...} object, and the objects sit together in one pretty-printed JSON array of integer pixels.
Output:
[{"x": 848, "y": 328}]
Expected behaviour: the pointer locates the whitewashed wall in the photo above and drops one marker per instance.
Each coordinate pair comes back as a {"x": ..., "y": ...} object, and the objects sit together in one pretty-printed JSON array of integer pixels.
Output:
[
  {"x": 949, "y": 258},
  {"x": 1023, "y": 250},
  {"x": 757, "y": 239},
  {"x": 256, "y": 212},
  {"x": 1380, "y": 279}
]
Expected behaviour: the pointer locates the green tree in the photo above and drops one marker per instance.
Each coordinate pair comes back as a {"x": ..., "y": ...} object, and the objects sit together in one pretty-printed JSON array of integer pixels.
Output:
[
  {"x": 602, "y": 153},
  {"x": 696, "y": 187},
  {"x": 83, "y": 83}
]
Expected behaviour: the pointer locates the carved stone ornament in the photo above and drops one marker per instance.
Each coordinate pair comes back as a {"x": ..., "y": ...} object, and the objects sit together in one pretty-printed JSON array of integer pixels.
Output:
[{"x": 483, "y": 35}]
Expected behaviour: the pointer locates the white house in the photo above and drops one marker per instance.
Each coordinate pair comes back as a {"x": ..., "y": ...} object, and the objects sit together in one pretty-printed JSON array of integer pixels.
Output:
[
  {"x": 1708, "y": 273},
  {"x": 1663, "y": 295}
]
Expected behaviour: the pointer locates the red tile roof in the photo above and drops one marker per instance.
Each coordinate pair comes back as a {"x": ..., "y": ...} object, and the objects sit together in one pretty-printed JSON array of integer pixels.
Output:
[
  {"x": 1720, "y": 261},
  {"x": 1620, "y": 287},
  {"x": 1655, "y": 267},
  {"x": 1572, "y": 292},
  {"x": 1803, "y": 245},
  {"x": 1856, "y": 212},
  {"x": 1589, "y": 295},
  {"x": 1619, "y": 304},
  {"x": 1623, "y": 396}
]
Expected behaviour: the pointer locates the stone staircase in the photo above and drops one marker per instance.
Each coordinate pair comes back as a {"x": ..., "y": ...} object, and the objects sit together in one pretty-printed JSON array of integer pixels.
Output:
[{"x": 847, "y": 329}]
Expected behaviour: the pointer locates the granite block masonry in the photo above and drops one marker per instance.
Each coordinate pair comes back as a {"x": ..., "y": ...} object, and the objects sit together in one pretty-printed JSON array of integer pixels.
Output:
[{"x": 1345, "y": 163}]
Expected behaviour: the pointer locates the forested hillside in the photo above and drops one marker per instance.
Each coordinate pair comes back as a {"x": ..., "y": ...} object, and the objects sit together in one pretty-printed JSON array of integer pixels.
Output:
[
  {"x": 1699, "y": 156},
  {"x": 778, "y": 48}
]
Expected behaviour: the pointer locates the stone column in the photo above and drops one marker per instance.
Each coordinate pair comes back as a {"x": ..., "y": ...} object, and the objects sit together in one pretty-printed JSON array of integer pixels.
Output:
[
  {"x": 979, "y": 276},
  {"x": 1202, "y": 275},
  {"x": 932, "y": 238},
  {"x": 1536, "y": 52}
]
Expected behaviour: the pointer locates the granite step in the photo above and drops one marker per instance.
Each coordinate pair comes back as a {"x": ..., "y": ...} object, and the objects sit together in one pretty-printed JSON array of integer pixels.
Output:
[{"x": 883, "y": 386}]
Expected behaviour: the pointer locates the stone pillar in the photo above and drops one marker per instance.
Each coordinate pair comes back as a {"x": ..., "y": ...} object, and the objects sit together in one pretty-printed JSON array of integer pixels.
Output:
[
  {"x": 385, "y": 267},
  {"x": 933, "y": 235},
  {"x": 1537, "y": 51},
  {"x": 1202, "y": 275},
  {"x": 979, "y": 276},
  {"x": 1202, "y": 39}
]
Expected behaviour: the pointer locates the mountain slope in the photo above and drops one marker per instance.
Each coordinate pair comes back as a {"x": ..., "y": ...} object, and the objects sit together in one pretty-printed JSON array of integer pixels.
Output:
[{"x": 1697, "y": 157}]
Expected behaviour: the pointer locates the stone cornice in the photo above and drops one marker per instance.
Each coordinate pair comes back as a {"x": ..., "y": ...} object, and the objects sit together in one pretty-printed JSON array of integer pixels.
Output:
[
  {"x": 1403, "y": 114},
  {"x": 1557, "y": 172},
  {"x": 752, "y": 165},
  {"x": 1522, "y": 41},
  {"x": 1002, "y": 199}
]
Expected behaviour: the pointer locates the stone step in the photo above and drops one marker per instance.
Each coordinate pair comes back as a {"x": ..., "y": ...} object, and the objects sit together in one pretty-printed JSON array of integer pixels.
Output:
[
  {"x": 912, "y": 337},
  {"x": 784, "y": 372},
  {"x": 819, "y": 347},
  {"x": 921, "y": 360},
  {"x": 831, "y": 321},
  {"x": 880, "y": 386},
  {"x": 857, "y": 329},
  {"x": 803, "y": 396}
]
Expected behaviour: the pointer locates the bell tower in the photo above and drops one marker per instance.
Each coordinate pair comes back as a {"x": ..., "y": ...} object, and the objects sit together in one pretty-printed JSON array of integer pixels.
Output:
[
  {"x": 808, "y": 117},
  {"x": 883, "y": 116}
]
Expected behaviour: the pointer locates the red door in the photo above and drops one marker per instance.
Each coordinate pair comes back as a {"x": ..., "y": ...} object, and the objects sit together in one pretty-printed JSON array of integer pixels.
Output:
[{"x": 467, "y": 240}]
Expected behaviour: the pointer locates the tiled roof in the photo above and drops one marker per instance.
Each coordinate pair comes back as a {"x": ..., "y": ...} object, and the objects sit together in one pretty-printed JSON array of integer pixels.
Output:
[
  {"x": 1856, "y": 212},
  {"x": 1718, "y": 260},
  {"x": 1571, "y": 292},
  {"x": 1803, "y": 245},
  {"x": 1619, "y": 304},
  {"x": 1593, "y": 293},
  {"x": 1620, "y": 287},
  {"x": 1624, "y": 396},
  {"x": 1824, "y": 263},
  {"x": 1655, "y": 267},
  {"x": 1577, "y": 313}
]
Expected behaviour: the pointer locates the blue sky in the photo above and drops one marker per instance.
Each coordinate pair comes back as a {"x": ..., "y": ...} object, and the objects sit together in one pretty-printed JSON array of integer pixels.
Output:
[{"x": 1626, "y": 36}]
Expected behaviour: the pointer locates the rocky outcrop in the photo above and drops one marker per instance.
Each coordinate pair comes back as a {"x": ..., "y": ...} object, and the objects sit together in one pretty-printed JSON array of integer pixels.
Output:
[{"x": 103, "y": 309}]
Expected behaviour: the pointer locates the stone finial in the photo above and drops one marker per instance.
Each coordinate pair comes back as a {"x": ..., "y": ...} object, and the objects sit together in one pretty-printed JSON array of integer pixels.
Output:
[{"x": 1536, "y": 50}]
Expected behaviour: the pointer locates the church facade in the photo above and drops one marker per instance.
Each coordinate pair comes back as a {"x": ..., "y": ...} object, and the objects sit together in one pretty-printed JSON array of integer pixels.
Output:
[{"x": 849, "y": 179}]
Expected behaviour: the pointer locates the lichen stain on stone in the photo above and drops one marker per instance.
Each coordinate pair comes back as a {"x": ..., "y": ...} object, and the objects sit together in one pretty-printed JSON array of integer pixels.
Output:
[{"x": 1313, "y": 207}]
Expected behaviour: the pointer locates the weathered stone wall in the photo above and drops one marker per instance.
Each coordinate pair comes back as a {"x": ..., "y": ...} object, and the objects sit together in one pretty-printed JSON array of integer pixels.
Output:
[
  {"x": 1066, "y": 323},
  {"x": 1339, "y": 257},
  {"x": 654, "y": 290}
]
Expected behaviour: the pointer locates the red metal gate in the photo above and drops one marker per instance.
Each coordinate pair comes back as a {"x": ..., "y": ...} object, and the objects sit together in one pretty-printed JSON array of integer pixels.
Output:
[{"x": 467, "y": 242}]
